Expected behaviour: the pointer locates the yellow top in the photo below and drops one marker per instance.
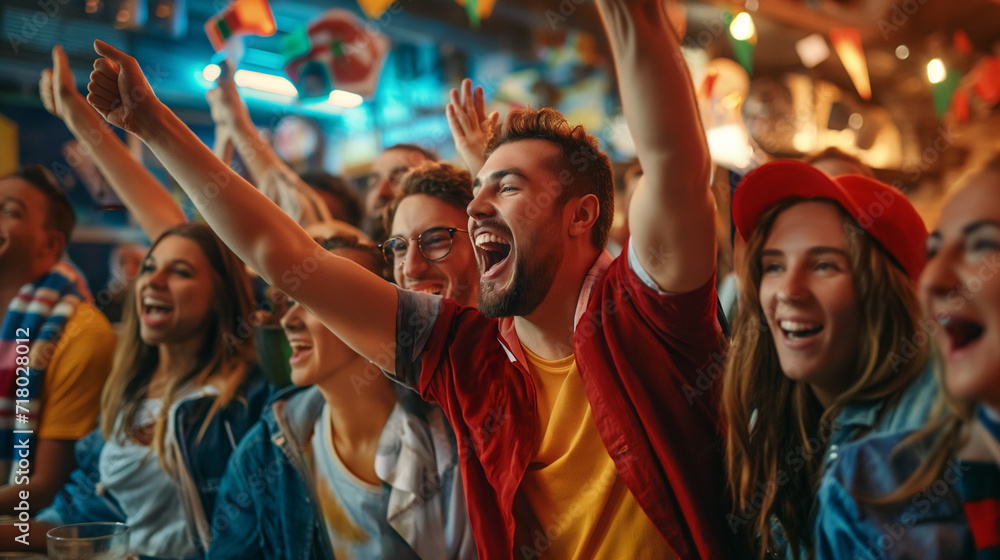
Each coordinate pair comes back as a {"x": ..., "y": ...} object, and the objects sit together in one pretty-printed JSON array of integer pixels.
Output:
[
  {"x": 75, "y": 376},
  {"x": 581, "y": 508}
]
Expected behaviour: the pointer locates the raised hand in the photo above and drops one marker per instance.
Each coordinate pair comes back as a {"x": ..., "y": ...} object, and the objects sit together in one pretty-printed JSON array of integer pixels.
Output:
[
  {"x": 58, "y": 87},
  {"x": 119, "y": 90},
  {"x": 469, "y": 124},
  {"x": 224, "y": 101}
]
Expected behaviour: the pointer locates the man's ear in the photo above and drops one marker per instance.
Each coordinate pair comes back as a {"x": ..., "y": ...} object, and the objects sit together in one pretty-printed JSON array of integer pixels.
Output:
[
  {"x": 586, "y": 210},
  {"x": 55, "y": 243}
]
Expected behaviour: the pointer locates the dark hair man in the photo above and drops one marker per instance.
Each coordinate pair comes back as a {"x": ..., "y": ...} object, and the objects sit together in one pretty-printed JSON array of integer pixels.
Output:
[
  {"x": 568, "y": 390},
  {"x": 55, "y": 346}
]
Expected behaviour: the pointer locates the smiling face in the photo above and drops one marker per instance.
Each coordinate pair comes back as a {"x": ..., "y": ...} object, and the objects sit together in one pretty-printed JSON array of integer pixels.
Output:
[
  {"x": 24, "y": 237},
  {"x": 453, "y": 276},
  {"x": 808, "y": 297},
  {"x": 960, "y": 289},
  {"x": 174, "y": 292},
  {"x": 517, "y": 225},
  {"x": 317, "y": 353}
]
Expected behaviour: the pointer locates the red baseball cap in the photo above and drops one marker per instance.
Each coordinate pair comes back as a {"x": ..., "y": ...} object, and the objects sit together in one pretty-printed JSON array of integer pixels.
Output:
[{"x": 884, "y": 212}]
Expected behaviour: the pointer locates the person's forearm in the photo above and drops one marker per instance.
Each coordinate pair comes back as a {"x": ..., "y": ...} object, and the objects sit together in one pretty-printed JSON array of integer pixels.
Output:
[
  {"x": 658, "y": 99},
  {"x": 222, "y": 147},
  {"x": 671, "y": 215},
  {"x": 268, "y": 170},
  {"x": 232, "y": 206},
  {"x": 144, "y": 196},
  {"x": 257, "y": 155},
  {"x": 351, "y": 301}
]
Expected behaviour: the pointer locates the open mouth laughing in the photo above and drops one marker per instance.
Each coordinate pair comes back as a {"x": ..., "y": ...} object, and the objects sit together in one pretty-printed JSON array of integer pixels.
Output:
[
  {"x": 961, "y": 332},
  {"x": 493, "y": 251},
  {"x": 797, "y": 330},
  {"x": 434, "y": 288},
  {"x": 300, "y": 351},
  {"x": 156, "y": 311}
]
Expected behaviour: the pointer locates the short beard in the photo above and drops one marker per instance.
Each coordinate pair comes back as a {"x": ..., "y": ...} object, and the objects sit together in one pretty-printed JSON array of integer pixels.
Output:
[{"x": 531, "y": 284}]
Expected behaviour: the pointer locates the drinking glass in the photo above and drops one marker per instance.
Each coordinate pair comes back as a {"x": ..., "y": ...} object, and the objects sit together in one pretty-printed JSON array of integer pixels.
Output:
[{"x": 89, "y": 541}]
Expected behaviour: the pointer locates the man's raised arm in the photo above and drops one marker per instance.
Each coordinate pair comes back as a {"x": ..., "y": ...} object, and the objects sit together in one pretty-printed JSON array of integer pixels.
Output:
[
  {"x": 144, "y": 196},
  {"x": 672, "y": 214},
  {"x": 355, "y": 304}
]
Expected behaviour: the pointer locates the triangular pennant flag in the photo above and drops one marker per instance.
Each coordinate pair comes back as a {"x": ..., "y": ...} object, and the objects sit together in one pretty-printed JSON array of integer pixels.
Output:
[
  {"x": 986, "y": 80},
  {"x": 847, "y": 43},
  {"x": 742, "y": 50},
  {"x": 374, "y": 8},
  {"x": 960, "y": 105},
  {"x": 477, "y": 10},
  {"x": 242, "y": 17},
  {"x": 962, "y": 42},
  {"x": 944, "y": 91}
]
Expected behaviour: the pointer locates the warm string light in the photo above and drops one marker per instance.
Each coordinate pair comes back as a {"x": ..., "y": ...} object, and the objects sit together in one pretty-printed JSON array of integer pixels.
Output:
[
  {"x": 936, "y": 72},
  {"x": 742, "y": 28}
]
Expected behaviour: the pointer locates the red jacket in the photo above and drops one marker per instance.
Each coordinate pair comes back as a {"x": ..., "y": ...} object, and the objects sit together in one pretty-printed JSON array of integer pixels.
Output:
[{"x": 648, "y": 363}]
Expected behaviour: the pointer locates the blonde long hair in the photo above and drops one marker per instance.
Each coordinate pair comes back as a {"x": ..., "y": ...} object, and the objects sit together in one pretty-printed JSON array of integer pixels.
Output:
[
  {"x": 777, "y": 431},
  {"x": 227, "y": 349}
]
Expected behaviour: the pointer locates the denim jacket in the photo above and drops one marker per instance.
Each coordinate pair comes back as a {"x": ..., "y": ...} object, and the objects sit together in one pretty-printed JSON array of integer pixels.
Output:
[
  {"x": 863, "y": 419},
  {"x": 931, "y": 525},
  {"x": 267, "y": 505},
  {"x": 83, "y": 498}
]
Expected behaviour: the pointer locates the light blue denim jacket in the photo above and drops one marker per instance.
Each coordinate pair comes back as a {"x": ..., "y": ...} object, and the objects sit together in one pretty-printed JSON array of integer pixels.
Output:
[
  {"x": 910, "y": 412},
  {"x": 267, "y": 505},
  {"x": 931, "y": 525}
]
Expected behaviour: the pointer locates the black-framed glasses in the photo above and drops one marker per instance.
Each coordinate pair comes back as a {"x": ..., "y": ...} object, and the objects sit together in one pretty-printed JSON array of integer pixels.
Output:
[{"x": 434, "y": 245}]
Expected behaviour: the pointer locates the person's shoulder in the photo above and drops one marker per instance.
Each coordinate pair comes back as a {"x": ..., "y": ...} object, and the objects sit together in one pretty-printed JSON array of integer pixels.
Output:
[
  {"x": 89, "y": 313},
  {"x": 87, "y": 342},
  {"x": 878, "y": 464},
  {"x": 88, "y": 321}
]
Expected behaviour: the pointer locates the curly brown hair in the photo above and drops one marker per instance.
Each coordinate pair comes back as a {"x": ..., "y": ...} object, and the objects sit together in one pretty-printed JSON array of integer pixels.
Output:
[
  {"x": 440, "y": 180},
  {"x": 581, "y": 165}
]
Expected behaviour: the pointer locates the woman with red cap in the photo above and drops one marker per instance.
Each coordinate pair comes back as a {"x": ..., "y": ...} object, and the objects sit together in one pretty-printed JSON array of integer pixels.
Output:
[
  {"x": 935, "y": 493},
  {"x": 826, "y": 345}
]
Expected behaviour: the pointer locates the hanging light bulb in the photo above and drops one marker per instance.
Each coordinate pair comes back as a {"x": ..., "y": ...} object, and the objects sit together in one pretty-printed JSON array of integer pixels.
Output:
[
  {"x": 936, "y": 72},
  {"x": 742, "y": 28}
]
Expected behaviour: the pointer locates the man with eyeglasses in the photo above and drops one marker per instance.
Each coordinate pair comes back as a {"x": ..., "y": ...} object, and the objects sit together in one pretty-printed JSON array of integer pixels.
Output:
[
  {"x": 615, "y": 463},
  {"x": 384, "y": 182},
  {"x": 429, "y": 249}
]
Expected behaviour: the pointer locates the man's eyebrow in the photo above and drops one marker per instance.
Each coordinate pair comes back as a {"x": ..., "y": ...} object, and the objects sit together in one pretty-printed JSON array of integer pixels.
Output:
[{"x": 497, "y": 175}]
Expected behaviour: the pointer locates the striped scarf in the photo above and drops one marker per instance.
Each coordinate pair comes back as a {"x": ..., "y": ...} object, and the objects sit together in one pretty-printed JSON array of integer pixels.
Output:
[{"x": 31, "y": 329}]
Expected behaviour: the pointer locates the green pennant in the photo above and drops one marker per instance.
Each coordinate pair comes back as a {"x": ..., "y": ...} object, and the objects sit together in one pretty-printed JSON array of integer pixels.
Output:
[
  {"x": 295, "y": 44},
  {"x": 472, "y": 10},
  {"x": 742, "y": 50},
  {"x": 944, "y": 91}
]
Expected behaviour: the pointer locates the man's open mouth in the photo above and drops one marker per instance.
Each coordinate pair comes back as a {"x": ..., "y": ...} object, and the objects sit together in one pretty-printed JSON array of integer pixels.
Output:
[{"x": 493, "y": 248}]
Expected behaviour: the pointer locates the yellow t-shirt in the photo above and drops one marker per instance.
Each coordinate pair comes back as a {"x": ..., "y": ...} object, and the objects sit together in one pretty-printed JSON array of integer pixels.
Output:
[
  {"x": 75, "y": 376},
  {"x": 581, "y": 508}
]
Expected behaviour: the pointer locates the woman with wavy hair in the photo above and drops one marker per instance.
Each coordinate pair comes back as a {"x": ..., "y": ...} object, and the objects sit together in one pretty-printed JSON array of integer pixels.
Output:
[
  {"x": 183, "y": 388},
  {"x": 934, "y": 493},
  {"x": 823, "y": 344}
]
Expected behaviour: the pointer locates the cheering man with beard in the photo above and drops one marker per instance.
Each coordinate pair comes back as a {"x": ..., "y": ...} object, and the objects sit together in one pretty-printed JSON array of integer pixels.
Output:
[{"x": 571, "y": 390}]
